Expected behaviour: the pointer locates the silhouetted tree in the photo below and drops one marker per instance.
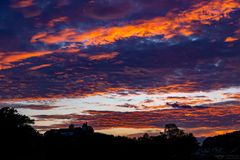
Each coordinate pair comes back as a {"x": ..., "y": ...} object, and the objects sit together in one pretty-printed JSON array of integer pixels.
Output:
[
  {"x": 11, "y": 119},
  {"x": 178, "y": 143},
  {"x": 172, "y": 131},
  {"x": 17, "y": 135}
]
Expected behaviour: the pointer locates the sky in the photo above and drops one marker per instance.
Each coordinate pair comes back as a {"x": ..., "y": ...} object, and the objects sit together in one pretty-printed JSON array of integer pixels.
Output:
[{"x": 124, "y": 66}]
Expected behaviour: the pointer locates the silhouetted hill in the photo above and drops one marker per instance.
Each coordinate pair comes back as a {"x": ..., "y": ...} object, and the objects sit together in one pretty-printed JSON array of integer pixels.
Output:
[{"x": 227, "y": 145}]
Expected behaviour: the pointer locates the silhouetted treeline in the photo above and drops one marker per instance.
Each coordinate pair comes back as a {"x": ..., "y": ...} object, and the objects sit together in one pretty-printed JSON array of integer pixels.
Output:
[
  {"x": 21, "y": 141},
  {"x": 225, "y": 146}
]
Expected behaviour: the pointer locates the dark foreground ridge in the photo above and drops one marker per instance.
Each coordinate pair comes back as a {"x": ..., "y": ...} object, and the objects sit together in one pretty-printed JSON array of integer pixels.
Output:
[{"x": 19, "y": 140}]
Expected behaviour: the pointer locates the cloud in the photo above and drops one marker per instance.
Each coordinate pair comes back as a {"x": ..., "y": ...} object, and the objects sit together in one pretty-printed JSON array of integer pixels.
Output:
[
  {"x": 233, "y": 96},
  {"x": 103, "y": 56},
  {"x": 62, "y": 36},
  {"x": 31, "y": 107},
  {"x": 179, "y": 106},
  {"x": 55, "y": 21},
  {"x": 138, "y": 73},
  {"x": 40, "y": 67},
  {"x": 22, "y": 3},
  {"x": 218, "y": 118},
  {"x": 128, "y": 106},
  {"x": 108, "y": 10},
  {"x": 231, "y": 39},
  {"x": 182, "y": 24},
  {"x": 10, "y": 57}
]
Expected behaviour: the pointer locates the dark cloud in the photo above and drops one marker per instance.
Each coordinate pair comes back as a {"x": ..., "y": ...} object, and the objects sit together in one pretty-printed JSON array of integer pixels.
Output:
[
  {"x": 179, "y": 106},
  {"x": 128, "y": 106},
  {"x": 32, "y": 107},
  {"x": 107, "y": 10},
  {"x": 196, "y": 66}
]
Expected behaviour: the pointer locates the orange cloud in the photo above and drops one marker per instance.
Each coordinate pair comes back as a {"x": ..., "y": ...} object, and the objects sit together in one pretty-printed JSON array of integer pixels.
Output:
[
  {"x": 17, "y": 56},
  {"x": 53, "y": 22},
  {"x": 231, "y": 39},
  {"x": 171, "y": 25},
  {"x": 103, "y": 56},
  {"x": 11, "y": 57},
  {"x": 47, "y": 38},
  {"x": 39, "y": 67},
  {"x": 22, "y": 4},
  {"x": 7, "y": 58},
  {"x": 211, "y": 131},
  {"x": 187, "y": 86},
  {"x": 38, "y": 36},
  {"x": 236, "y": 37}
]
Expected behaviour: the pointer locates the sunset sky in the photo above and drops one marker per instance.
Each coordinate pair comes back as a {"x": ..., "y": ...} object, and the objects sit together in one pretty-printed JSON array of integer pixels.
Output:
[{"x": 124, "y": 66}]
